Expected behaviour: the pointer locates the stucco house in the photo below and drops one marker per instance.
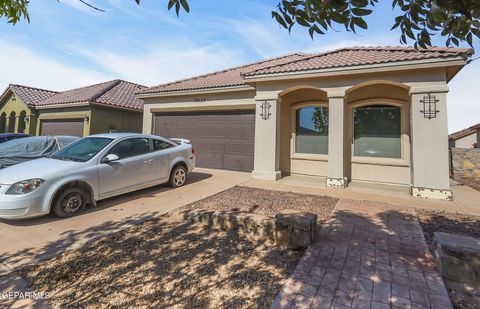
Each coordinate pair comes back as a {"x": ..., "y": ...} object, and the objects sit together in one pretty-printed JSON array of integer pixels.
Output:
[
  {"x": 105, "y": 107},
  {"x": 364, "y": 114},
  {"x": 466, "y": 138}
]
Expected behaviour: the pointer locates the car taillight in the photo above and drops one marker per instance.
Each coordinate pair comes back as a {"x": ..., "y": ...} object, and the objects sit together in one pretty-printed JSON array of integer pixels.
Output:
[{"x": 193, "y": 150}]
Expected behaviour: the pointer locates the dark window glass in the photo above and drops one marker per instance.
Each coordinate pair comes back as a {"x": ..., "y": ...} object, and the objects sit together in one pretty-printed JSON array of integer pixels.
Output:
[
  {"x": 131, "y": 147},
  {"x": 312, "y": 130},
  {"x": 377, "y": 130},
  {"x": 160, "y": 145},
  {"x": 82, "y": 150}
]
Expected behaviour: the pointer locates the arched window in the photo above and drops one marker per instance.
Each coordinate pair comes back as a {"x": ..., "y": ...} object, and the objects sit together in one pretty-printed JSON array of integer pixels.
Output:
[
  {"x": 3, "y": 122},
  {"x": 11, "y": 122},
  {"x": 21, "y": 122},
  {"x": 311, "y": 134},
  {"x": 377, "y": 131}
]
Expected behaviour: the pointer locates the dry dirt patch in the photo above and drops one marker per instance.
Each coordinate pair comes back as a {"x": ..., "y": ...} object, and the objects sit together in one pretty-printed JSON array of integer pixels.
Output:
[
  {"x": 171, "y": 263},
  {"x": 266, "y": 202},
  {"x": 455, "y": 223}
]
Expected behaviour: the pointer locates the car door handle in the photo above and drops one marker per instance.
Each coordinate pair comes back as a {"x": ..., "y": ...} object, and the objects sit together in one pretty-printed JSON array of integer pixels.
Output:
[{"x": 147, "y": 162}]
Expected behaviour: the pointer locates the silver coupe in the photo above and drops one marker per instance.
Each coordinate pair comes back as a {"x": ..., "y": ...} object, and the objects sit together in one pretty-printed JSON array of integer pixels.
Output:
[{"x": 91, "y": 169}]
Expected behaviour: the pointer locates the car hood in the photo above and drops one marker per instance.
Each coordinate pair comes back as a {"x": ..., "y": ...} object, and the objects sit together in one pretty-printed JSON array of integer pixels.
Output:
[{"x": 43, "y": 168}]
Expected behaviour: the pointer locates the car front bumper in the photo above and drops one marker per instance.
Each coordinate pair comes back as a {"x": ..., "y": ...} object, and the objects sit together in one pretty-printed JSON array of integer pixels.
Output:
[{"x": 23, "y": 206}]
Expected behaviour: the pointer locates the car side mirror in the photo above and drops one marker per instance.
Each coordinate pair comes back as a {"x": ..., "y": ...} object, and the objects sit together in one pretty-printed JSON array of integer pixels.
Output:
[{"x": 110, "y": 158}]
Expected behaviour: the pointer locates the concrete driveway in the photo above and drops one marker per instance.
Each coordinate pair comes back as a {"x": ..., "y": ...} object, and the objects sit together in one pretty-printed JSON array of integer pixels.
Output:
[{"x": 28, "y": 240}]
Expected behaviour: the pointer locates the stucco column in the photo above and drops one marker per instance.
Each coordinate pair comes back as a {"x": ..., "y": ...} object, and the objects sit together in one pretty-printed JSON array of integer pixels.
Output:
[
  {"x": 430, "y": 166},
  {"x": 336, "y": 140},
  {"x": 147, "y": 120},
  {"x": 17, "y": 122},
  {"x": 267, "y": 139}
]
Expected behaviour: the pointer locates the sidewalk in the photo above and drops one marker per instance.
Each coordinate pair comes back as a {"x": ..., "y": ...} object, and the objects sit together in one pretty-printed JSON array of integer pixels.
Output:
[
  {"x": 466, "y": 199},
  {"x": 368, "y": 255}
]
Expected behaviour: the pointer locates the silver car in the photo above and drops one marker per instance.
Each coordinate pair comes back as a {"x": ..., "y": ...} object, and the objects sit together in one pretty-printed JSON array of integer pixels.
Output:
[{"x": 91, "y": 169}]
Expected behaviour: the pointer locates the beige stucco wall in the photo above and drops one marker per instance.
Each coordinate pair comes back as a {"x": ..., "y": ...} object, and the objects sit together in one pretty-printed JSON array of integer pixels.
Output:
[
  {"x": 466, "y": 141},
  {"x": 104, "y": 120}
]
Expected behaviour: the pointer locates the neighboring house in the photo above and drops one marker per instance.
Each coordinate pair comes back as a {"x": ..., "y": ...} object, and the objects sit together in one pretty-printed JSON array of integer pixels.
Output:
[
  {"x": 105, "y": 107},
  {"x": 370, "y": 114},
  {"x": 17, "y": 108},
  {"x": 467, "y": 138}
]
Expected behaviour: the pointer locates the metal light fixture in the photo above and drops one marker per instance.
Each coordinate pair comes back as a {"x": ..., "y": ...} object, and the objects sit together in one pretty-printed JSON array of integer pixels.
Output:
[
  {"x": 429, "y": 106},
  {"x": 265, "y": 110},
  {"x": 86, "y": 119}
]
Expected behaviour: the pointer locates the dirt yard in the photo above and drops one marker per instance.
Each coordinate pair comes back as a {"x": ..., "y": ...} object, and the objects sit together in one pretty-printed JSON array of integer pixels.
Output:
[
  {"x": 171, "y": 263},
  {"x": 455, "y": 223},
  {"x": 267, "y": 202}
]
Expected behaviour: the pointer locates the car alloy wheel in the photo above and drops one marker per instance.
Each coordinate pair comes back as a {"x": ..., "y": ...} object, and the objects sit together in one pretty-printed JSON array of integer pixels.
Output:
[
  {"x": 179, "y": 177},
  {"x": 72, "y": 202}
]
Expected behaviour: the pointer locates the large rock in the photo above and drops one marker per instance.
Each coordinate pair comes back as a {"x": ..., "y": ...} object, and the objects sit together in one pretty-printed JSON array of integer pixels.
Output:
[
  {"x": 291, "y": 229},
  {"x": 458, "y": 258}
]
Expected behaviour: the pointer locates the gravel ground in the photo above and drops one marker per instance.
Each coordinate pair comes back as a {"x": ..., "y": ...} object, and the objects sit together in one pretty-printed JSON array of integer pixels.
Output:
[
  {"x": 455, "y": 223},
  {"x": 166, "y": 263},
  {"x": 266, "y": 202}
]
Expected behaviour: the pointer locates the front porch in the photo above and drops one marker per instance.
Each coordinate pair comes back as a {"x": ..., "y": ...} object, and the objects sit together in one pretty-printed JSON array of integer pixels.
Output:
[{"x": 369, "y": 131}]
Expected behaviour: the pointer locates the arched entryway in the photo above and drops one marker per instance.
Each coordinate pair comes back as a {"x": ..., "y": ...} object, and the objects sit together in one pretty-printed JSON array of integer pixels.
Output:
[
  {"x": 22, "y": 122},
  {"x": 11, "y": 122},
  {"x": 378, "y": 131},
  {"x": 303, "y": 131},
  {"x": 3, "y": 122}
]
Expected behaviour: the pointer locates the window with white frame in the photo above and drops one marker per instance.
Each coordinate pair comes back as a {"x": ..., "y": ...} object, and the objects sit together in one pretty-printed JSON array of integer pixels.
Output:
[
  {"x": 311, "y": 134},
  {"x": 377, "y": 131}
]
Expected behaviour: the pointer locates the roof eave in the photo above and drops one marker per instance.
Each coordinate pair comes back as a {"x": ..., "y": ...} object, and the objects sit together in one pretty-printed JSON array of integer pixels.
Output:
[
  {"x": 87, "y": 103},
  {"x": 373, "y": 68},
  {"x": 195, "y": 91}
]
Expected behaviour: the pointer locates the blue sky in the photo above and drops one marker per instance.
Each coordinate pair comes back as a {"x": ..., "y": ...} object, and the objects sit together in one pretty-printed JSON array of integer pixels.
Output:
[{"x": 68, "y": 45}]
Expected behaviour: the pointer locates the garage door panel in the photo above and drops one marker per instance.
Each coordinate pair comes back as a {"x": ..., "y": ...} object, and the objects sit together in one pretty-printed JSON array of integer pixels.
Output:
[
  {"x": 222, "y": 140},
  {"x": 71, "y": 127}
]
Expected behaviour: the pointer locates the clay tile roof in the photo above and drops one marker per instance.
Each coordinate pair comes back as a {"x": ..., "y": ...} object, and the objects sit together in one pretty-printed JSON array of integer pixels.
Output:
[
  {"x": 227, "y": 78},
  {"x": 356, "y": 56},
  {"x": 345, "y": 57},
  {"x": 464, "y": 132},
  {"x": 30, "y": 95},
  {"x": 114, "y": 93}
]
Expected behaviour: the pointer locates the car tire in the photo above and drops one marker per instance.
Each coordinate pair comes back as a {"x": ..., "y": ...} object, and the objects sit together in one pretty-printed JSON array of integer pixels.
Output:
[
  {"x": 178, "y": 177},
  {"x": 70, "y": 202}
]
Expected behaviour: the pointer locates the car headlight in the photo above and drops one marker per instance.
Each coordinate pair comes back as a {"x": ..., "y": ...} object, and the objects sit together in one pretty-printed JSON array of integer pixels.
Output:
[{"x": 25, "y": 186}]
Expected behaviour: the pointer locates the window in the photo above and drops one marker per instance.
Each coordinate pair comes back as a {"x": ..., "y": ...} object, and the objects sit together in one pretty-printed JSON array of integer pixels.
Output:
[
  {"x": 131, "y": 147},
  {"x": 160, "y": 145},
  {"x": 377, "y": 131},
  {"x": 82, "y": 150},
  {"x": 312, "y": 130}
]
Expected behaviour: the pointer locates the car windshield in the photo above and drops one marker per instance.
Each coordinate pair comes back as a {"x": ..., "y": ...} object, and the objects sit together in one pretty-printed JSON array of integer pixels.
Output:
[{"x": 82, "y": 150}]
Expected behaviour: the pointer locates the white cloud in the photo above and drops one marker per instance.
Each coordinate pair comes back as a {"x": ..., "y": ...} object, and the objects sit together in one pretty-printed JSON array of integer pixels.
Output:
[
  {"x": 164, "y": 62},
  {"x": 22, "y": 65},
  {"x": 464, "y": 98}
]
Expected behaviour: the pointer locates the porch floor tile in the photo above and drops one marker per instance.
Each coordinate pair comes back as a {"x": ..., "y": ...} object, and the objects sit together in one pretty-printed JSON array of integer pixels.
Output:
[{"x": 367, "y": 255}]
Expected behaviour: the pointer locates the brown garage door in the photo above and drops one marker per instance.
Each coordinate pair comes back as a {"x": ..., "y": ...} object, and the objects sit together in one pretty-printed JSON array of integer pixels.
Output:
[
  {"x": 72, "y": 127},
  {"x": 223, "y": 140}
]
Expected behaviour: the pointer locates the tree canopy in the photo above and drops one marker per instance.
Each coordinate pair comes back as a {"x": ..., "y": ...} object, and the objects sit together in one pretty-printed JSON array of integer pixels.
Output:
[{"x": 418, "y": 20}]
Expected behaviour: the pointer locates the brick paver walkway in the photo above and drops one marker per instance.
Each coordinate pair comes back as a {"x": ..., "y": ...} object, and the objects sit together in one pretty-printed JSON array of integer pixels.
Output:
[{"x": 368, "y": 255}]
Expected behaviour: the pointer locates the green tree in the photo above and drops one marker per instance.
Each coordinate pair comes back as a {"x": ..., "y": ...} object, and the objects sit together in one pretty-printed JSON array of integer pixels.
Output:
[{"x": 418, "y": 20}]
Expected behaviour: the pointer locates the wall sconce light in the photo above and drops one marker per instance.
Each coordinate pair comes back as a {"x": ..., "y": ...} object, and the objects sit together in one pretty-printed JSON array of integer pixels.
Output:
[
  {"x": 86, "y": 119},
  {"x": 265, "y": 110},
  {"x": 429, "y": 106}
]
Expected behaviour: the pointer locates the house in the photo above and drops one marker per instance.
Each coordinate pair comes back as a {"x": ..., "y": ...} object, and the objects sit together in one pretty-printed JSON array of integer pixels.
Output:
[
  {"x": 467, "y": 138},
  {"x": 364, "y": 114},
  {"x": 106, "y": 107}
]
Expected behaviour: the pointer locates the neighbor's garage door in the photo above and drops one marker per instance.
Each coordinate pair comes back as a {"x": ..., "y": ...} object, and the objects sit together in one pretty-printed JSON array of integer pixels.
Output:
[
  {"x": 72, "y": 127},
  {"x": 222, "y": 140}
]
